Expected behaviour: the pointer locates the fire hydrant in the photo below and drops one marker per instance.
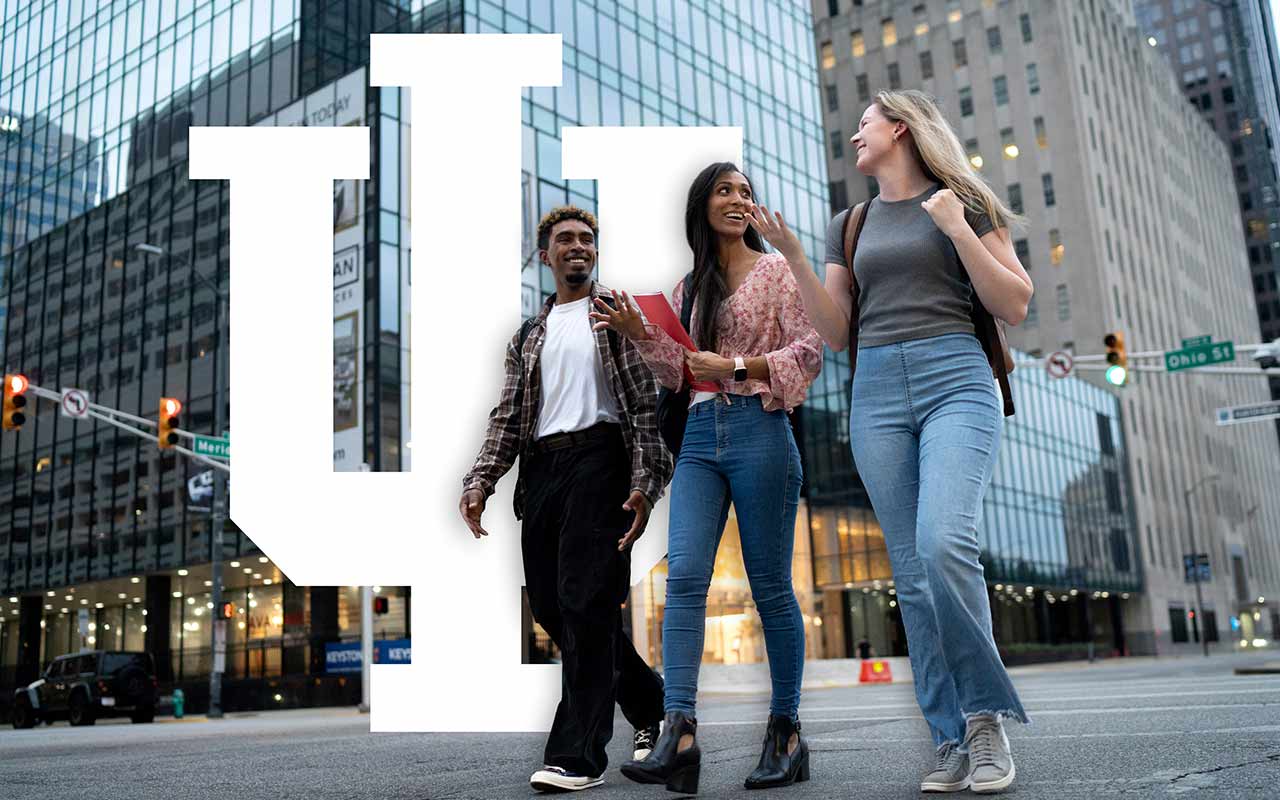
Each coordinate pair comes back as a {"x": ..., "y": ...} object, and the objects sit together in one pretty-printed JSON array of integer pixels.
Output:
[{"x": 179, "y": 701}]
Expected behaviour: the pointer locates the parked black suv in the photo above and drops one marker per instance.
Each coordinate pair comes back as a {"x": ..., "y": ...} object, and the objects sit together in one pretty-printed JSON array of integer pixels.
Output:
[{"x": 81, "y": 687}]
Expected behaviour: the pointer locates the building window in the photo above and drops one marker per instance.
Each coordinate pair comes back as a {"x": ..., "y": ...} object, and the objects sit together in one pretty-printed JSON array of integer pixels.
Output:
[
  {"x": 1246, "y": 201},
  {"x": 1120, "y": 550},
  {"x": 1178, "y": 623},
  {"x": 1210, "y": 625},
  {"x": 828, "y": 56},
  {"x": 1022, "y": 249},
  {"x": 1007, "y": 144},
  {"x": 833, "y": 7},
  {"x": 837, "y": 145},
  {"x": 954, "y": 14},
  {"x": 975, "y": 158},
  {"x": 1064, "y": 303},
  {"x": 888, "y": 33},
  {"x": 1033, "y": 79},
  {"x": 926, "y": 65},
  {"x": 1015, "y": 197},
  {"x": 895, "y": 77},
  {"x": 858, "y": 45},
  {"x": 1042, "y": 137},
  {"x": 1056, "y": 249},
  {"x": 922, "y": 24},
  {"x": 993, "y": 40},
  {"x": 966, "y": 102},
  {"x": 1046, "y": 180},
  {"x": 833, "y": 98},
  {"x": 1111, "y": 480},
  {"x": 1033, "y": 314},
  {"x": 1228, "y": 95},
  {"x": 1025, "y": 21},
  {"x": 864, "y": 89},
  {"x": 1001, "y": 88},
  {"x": 839, "y": 196}
]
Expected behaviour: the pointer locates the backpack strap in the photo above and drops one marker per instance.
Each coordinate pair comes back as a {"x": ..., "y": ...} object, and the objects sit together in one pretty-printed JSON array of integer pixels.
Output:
[{"x": 850, "y": 248}]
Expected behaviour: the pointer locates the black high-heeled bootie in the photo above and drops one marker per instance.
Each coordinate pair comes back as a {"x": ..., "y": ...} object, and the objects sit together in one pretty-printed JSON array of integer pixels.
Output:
[
  {"x": 777, "y": 766},
  {"x": 668, "y": 764}
]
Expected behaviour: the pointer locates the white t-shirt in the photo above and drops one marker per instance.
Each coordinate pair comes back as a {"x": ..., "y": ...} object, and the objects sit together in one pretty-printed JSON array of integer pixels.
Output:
[{"x": 575, "y": 391}]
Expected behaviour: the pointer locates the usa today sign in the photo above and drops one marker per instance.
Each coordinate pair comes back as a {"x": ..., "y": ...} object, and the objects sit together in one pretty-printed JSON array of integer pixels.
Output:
[{"x": 466, "y": 210}]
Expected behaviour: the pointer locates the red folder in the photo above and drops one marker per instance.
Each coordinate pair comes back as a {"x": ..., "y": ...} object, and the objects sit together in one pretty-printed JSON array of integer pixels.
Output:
[{"x": 659, "y": 312}]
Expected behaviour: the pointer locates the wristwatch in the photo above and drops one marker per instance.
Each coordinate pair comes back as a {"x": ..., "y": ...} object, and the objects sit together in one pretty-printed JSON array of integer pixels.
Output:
[{"x": 739, "y": 369}]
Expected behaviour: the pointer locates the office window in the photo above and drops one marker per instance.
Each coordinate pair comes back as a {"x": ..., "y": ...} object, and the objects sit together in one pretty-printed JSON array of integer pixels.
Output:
[
  {"x": 1064, "y": 303},
  {"x": 1033, "y": 79},
  {"x": 966, "y": 102},
  {"x": 1007, "y": 144},
  {"x": 959, "y": 53},
  {"x": 895, "y": 78},
  {"x": 1228, "y": 95},
  {"x": 1056, "y": 248},
  {"x": 926, "y": 65},
  {"x": 1025, "y": 22},
  {"x": 954, "y": 14},
  {"x": 1046, "y": 180},
  {"x": 888, "y": 33},
  {"x": 1015, "y": 197},
  {"x": 837, "y": 145},
  {"x": 993, "y": 40},
  {"x": 833, "y": 7},
  {"x": 864, "y": 89},
  {"x": 839, "y": 196},
  {"x": 1022, "y": 249},
  {"x": 1001, "y": 87},
  {"x": 922, "y": 24},
  {"x": 833, "y": 98},
  {"x": 828, "y": 56},
  {"x": 1042, "y": 137},
  {"x": 1111, "y": 481},
  {"x": 858, "y": 45},
  {"x": 1120, "y": 550}
]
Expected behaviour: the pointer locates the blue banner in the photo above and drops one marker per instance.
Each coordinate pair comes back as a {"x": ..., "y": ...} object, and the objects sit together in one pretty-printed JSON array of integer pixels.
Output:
[
  {"x": 345, "y": 656},
  {"x": 391, "y": 651}
]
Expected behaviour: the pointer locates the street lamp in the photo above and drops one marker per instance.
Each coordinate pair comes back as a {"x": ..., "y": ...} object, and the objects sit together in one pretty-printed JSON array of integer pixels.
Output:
[
  {"x": 1195, "y": 557},
  {"x": 217, "y": 512}
]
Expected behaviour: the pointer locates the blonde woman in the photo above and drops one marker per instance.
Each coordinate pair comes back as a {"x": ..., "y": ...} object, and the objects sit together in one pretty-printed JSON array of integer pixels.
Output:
[{"x": 933, "y": 263}]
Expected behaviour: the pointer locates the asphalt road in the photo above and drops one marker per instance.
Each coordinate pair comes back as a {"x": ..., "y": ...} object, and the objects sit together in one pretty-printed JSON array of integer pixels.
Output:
[{"x": 1138, "y": 728}]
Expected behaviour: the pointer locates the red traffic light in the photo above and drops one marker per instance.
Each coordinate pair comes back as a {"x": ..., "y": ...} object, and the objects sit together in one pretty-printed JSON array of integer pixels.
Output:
[
  {"x": 381, "y": 605},
  {"x": 169, "y": 409},
  {"x": 17, "y": 384},
  {"x": 14, "y": 402}
]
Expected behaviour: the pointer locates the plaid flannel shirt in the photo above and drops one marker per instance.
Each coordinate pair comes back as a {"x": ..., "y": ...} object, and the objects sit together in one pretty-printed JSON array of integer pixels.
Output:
[{"x": 514, "y": 421}]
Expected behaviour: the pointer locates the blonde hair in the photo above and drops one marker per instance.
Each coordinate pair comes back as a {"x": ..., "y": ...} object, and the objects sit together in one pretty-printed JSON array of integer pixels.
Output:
[{"x": 938, "y": 150}]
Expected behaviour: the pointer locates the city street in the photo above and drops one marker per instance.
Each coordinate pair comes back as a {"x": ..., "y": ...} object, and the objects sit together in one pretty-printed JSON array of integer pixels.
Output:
[{"x": 1138, "y": 728}]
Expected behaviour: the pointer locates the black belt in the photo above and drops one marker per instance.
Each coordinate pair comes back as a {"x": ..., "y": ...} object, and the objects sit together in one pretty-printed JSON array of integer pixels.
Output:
[{"x": 601, "y": 431}]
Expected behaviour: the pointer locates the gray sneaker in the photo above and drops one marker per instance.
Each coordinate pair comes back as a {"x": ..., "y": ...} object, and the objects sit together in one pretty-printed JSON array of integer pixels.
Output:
[
  {"x": 950, "y": 773},
  {"x": 990, "y": 762}
]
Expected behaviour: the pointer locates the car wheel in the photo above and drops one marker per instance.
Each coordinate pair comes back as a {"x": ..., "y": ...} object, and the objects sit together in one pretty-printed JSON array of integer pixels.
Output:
[
  {"x": 80, "y": 712},
  {"x": 144, "y": 714},
  {"x": 23, "y": 715}
]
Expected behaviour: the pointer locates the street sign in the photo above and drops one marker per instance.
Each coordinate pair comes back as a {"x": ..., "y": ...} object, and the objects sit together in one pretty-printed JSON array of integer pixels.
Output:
[
  {"x": 211, "y": 447},
  {"x": 75, "y": 404},
  {"x": 1187, "y": 568},
  {"x": 1254, "y": 413},
  {"x": 1196, "y": 341},
  {"x": 200, "y": 488},
  {"x": 1059, "y": 365},
  {"x": 1199, "y": 356}
]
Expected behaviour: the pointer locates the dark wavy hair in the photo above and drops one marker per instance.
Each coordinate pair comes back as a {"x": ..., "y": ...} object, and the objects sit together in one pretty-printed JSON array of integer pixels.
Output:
[{"x": 708, "y": 286}]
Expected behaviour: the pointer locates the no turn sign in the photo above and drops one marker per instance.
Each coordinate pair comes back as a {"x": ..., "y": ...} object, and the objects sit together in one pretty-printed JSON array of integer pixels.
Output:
[
  {"x": 1059, "y": 365},
  {"x": 75, "y": 403}
]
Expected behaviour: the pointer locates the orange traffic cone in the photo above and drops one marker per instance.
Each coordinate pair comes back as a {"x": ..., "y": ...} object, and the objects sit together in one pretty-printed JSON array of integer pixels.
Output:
[{"x": 875, "y": 671}]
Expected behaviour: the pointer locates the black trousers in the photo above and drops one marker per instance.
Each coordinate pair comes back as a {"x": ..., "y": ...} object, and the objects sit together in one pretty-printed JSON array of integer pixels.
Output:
[{"x": 577, "y": 580}]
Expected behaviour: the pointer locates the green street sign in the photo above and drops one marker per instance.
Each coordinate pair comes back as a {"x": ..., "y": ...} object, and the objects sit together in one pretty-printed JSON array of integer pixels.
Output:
[
  {"x": 1196, "y": 341},
  {"x": 209, "y": 446},
  {"x": 1201, "y": 356}
]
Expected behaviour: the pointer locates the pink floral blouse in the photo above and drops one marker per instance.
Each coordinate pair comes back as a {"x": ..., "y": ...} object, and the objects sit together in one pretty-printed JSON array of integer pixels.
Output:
[{"x": 765, "y": 316}]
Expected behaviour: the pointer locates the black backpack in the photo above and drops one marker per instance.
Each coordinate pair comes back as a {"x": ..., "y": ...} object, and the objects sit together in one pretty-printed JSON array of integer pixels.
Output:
[{"x": 673, "y": 405}]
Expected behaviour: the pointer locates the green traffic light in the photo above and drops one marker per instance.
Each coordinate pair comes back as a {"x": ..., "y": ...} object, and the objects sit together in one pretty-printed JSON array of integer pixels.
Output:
[{"x": 1117, "y": 375}]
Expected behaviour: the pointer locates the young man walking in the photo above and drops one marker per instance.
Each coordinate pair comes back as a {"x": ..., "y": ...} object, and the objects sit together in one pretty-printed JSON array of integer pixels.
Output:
[{"x": 578, "y": 407}]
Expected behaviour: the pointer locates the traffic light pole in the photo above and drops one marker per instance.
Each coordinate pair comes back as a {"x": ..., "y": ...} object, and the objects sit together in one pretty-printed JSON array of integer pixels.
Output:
[
  {"x": 1195, "y": 562},
  {"x": 218, "y": 515}
]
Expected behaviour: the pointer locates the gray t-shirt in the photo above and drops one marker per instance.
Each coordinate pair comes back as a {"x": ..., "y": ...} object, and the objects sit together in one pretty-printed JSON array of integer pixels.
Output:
[{"x": 912, "y": 283}]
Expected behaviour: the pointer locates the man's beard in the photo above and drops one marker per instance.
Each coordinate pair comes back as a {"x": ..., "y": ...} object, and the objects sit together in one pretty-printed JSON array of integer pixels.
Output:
[{"x": 577, "y": 278}]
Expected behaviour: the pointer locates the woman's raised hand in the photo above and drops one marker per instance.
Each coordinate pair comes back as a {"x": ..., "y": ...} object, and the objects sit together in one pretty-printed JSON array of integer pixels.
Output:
[
  {"x": 773, "y": 228},
  {"x": 623, "y": 317}
]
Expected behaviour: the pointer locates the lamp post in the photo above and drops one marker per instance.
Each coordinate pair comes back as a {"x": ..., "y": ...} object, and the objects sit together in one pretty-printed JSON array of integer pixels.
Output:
[
  {"x": 218, "y": 510},
  {"x": 1195, "y": 557}
]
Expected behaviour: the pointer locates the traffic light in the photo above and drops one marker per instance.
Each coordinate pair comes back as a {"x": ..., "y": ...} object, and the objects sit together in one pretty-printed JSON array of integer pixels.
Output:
[
  {"x": 169, "y": 408},
  {"x": 228, "y": 611},
  {"x": 1118, "y": 371},
  {"x": 381, "y": 605},
  {"x": 14, "y": 401}
]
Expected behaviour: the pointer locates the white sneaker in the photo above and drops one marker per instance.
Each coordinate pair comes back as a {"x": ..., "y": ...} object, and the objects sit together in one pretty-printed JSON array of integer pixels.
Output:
[
  {"x": 558, "y": 779},
  {"x": 644, "y": 740},
  {"x": 991, "y": 766}
]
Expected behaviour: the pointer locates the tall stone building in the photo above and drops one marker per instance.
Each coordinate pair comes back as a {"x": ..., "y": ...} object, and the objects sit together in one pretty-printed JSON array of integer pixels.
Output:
[{"x": 1075, "y": 120}]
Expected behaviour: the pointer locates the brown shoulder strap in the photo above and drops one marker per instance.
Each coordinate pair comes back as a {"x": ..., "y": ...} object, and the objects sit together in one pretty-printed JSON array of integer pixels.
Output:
[{"x": 851, "y": 241}]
